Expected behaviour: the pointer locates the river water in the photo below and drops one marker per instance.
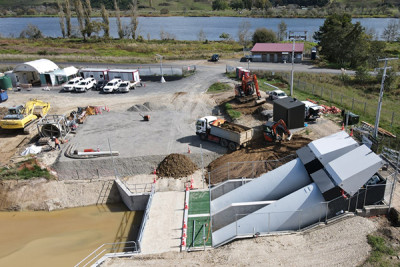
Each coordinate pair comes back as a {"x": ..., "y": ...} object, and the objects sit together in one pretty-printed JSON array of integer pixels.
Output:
[
  {"x": 188, "y": 28},
  {"x": 62, "y": 238}
]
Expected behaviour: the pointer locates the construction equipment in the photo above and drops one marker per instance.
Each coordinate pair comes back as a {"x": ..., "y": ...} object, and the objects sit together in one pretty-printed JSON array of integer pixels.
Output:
[
  {"x": 244, "y": 92},
  {"x": 227, "y": 134},
  {"x": 274, "y": 131},
  {"x": 20, "y": 117},
  {"x": 145, "y": 117}
]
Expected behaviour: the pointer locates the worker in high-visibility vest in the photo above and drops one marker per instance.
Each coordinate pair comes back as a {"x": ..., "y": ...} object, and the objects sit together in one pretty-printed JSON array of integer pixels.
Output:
[{"x": 57, "y": 143}]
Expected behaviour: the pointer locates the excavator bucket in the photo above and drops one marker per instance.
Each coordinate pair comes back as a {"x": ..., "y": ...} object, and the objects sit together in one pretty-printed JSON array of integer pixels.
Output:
[
  {"x": 289, "y": 137},
  {"x": 260, "y": 101}
]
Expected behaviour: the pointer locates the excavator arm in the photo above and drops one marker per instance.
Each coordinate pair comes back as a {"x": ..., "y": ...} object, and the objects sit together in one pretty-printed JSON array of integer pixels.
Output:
[{"x": 256, "y": 85}]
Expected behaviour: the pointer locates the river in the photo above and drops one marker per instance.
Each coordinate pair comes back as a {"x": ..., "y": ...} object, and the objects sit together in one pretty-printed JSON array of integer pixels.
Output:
[
  {"x": 187, "y": 28},
  {"x": 62, "y": 238}
]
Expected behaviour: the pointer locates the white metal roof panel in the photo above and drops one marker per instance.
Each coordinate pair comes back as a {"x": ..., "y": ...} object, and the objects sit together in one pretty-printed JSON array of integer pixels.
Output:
[
  {"x": 332, "y": 146},
  {"x": 123, "y": 70},
  {"x": 41, "y": 66},
  {"x": 354, "y": 169},
  {"x": 93, "y": 70}
]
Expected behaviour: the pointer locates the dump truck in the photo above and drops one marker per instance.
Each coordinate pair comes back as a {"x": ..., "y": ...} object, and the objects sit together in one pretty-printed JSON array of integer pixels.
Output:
[
  {"x": 22, "y": 116},
  {"x": 227, "y": 134}
]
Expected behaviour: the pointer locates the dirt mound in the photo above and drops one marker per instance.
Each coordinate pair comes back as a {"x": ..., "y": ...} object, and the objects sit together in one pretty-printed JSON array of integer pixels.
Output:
[
  {"x": 176, "y": 166},
  {"x": 232, "y": 127},
  {"x": 258, "y": 150},
  {"x": 139, "y": 108}
]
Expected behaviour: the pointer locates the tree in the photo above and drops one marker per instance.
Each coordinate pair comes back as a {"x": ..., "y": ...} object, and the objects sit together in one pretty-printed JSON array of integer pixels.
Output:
[
  {"x": 119, "y": 24},
  {"x": 134, "y": 19},
  {"x": 31, "y": 32},
  {"x": 264, "y": 35},
  {"x": 90, "y": 27},
  {"x": 80, "y": 15},
  {"x": 62, "y": 17},
  {"x": 106, "y": 21},
  {"x": 67, "y": 11},
  {"x": 342, "y": 42},
  {"x": 282, "y": 31},
  {"x": 236, "y": 4},
  {"x": 390, "y": 79},
  {"x": 244, "y": 33},
  {"x": 219, "y": 5},
  {"x": 225, "y": 36},
  {"x": 392, "y": 31}
]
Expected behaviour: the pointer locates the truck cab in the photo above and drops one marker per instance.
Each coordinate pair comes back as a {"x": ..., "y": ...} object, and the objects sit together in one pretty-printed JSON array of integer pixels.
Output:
[{"x": 203, "y": 124}]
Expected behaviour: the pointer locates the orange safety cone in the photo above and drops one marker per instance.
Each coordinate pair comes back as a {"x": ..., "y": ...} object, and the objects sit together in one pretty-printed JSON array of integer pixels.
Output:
[
  {"x": 342, "y": 126},
  {"x": 184, "y": 234},
  {"x": 187, "y": 187},
  {"x": 154, "y": 180},
  {"x": 186, "y": 206},
  {"x": 191, "y": 184},
  {"x": 351, "y": 133},
  {"x": 154, "y": 171},
  {"x": 183, "y": 242},
  {"x": 184, "y": 225},
  {"x": 188, "y": 149}
]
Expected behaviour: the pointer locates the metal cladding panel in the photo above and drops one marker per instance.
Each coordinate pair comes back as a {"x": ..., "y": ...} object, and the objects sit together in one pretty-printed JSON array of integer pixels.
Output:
[
  {"x": 305, "y": 154},
  {"x": 296, "y": 210},
  {"x": 322, "y": 180},
  {"x": 272, "y": 185},
  {"x": 354, "y": 169},
  {"x": 333, "y": 146}
]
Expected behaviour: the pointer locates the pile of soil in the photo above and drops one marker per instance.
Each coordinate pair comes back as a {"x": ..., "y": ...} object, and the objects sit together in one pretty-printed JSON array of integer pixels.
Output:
[
  {"x": 258, "y": 150},
  {"x": 176, "y": 166},
  {"x": 232, "y": 127}
]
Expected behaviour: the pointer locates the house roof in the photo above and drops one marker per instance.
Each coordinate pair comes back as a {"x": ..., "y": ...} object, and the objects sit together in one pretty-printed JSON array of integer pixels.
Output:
[
  {"x": 41, "y": 66},
  {"x": 277, "y": 47}
]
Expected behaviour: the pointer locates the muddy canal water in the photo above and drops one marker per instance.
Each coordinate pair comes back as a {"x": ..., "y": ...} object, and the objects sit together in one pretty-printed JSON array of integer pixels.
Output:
[{"x": 62, "y": 238}]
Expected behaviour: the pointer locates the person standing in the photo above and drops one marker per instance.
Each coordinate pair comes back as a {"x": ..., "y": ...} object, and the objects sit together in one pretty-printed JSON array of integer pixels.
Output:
[{"x": 57, "y": 143}]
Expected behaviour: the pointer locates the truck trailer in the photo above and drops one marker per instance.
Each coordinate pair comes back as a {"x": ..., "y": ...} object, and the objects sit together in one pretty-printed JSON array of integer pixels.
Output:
[{"x": 227, "y": 134}]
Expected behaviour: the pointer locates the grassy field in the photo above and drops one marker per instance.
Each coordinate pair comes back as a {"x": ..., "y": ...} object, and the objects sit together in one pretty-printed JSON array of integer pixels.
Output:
[{"x": 101, "y": 50}]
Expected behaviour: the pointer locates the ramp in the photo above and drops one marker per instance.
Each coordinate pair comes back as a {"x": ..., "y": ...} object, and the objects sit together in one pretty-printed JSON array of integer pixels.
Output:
[{"x": 164, "y": 227}]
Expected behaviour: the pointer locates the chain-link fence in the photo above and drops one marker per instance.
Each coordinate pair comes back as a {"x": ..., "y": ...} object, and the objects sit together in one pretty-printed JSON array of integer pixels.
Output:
[{"x": 247, "y": 169}]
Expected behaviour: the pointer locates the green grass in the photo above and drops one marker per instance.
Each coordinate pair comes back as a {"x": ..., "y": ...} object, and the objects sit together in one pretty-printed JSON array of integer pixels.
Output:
[
  {"x": 219, "y": 87},
  {"x": 24, "y": 172},
  {"x": 379, "y": 251},
  {"x": 234, "y": 114}
]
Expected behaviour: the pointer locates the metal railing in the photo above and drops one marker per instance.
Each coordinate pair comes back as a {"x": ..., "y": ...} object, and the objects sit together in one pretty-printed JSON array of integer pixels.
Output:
[
  {"x": 138, "y": 188},
  {"x": 107, "y": 248},
  {"x": 145, "y": 217}
]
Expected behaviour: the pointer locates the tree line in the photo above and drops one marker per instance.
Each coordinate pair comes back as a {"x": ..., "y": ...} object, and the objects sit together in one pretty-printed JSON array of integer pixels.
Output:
[{"x": 87, "y": 26}]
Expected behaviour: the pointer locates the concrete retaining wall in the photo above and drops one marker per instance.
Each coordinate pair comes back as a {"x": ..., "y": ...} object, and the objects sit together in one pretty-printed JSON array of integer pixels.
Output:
[{"x": 133, "y": 202}]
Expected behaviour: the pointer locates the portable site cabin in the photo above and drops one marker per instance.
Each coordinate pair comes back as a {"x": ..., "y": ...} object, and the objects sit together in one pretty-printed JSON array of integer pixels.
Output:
[
  {"x": 278, "y": 52},
  {"x": 96, "y": 73},
  {"x": 131, "y": 75},
  {"x": 36, "y": 73},
  {"x": 66, "y": 74}
]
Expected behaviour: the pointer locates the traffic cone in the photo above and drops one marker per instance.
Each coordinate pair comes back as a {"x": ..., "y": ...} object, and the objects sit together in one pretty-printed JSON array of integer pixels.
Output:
[
  {"x": 154, "y": 180},
  {"x": 186, "y": 206},
  {"x": 187, "y": 187},
  {"x": 183, "y": 242},
  {"x": 188, "y": 149},
  {"x": 154, "y": 171},
  {"x": 342, "y": 126},
  {"x": 351, "y": 133},
  {"x": 184, "y": 225},
  {"x": 184, "y": 234},
  {"x": 191, "y": 183}
]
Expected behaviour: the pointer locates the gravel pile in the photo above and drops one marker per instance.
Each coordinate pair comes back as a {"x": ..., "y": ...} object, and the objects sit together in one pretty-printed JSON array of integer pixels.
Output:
[{"x": 176, "y": 166}]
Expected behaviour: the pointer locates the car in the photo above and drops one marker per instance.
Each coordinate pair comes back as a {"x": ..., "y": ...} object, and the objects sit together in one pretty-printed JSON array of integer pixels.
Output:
[
  {"x": 112, "y": 86},
  {"x": 214, "y": 58},
  {"x": 69, "y": 86},
  {"x": 100, "y": 84},
  {"x": 277, "y": 94},
  {"x": 85, "y": 85},
  {"x": 124, "y": 86}
]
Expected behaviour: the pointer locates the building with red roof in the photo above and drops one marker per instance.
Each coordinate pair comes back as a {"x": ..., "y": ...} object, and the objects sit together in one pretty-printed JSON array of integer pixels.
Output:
[{"x": 277, "y": 52}]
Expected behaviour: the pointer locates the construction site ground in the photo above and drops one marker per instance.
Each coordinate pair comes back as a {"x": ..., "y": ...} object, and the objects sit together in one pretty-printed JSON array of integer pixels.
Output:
[{"x": 173, "y": 108}]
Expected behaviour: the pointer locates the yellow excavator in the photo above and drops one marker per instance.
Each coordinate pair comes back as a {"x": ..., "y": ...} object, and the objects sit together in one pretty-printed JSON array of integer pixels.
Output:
[{"x": 20, "y": 117}]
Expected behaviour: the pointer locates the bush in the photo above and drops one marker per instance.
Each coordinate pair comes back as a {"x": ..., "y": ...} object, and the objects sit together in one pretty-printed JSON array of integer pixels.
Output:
[
  {"x": 164, "y": 11},
  {"x": 264, "y": 35},
  {"x": 31, "y": 32}
]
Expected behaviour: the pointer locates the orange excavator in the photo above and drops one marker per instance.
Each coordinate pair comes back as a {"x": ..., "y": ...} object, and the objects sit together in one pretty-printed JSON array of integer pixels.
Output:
[
  {"x": 244, "y": 92},
  {"x": 274, "y": 131}
]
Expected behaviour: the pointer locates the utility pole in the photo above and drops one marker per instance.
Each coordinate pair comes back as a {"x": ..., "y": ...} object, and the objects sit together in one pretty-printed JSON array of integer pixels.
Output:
[
  {"x": 293, "y": 36},
  {"x": 378, "y": 111}
]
